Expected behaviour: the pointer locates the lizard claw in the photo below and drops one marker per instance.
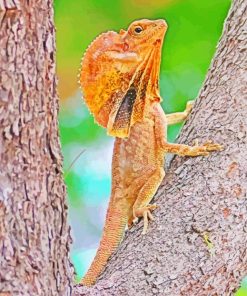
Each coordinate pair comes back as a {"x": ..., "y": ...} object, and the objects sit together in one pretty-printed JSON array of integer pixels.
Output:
[
  {"x": 135, "y": 220},
  {"x": 196, "y": 142}
]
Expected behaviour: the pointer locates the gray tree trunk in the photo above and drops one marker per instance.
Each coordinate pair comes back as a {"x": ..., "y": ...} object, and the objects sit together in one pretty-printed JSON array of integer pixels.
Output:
[
  {"x": 198, "y": 242},
  {"x": 34, "y": 233}
]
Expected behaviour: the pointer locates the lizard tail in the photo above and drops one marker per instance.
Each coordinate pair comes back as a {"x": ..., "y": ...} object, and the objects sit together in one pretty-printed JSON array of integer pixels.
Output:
[{"x": 113, "y": 230}]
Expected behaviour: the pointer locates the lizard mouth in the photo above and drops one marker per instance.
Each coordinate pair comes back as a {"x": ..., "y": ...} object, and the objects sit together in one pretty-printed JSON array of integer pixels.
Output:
[
  {"x": 161, "y": 26},
  {"x": 161, "y": 23}
]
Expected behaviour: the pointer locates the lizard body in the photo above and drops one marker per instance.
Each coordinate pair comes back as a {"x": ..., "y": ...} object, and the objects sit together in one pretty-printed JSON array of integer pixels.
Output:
[{"x": 119, "y": 79}]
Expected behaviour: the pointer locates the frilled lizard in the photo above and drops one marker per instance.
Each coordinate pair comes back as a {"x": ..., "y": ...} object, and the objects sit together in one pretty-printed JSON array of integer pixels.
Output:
[{"x": 120, "y": 84}]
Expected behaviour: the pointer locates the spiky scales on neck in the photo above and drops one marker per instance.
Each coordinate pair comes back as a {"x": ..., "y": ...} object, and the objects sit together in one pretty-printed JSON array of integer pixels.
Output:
[{"x": 120, "y": 73}]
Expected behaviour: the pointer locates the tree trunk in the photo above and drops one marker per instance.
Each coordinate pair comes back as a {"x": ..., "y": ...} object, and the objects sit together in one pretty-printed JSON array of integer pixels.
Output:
[
  {"x": 34, "y": 233},
  {"x": 198, "y": 243}
]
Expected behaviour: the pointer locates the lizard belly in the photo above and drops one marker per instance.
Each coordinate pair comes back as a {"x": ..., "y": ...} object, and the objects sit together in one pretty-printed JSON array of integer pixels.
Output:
[
  {"x": 138, "y": 160},
  {"x": 139, "y": 152}
]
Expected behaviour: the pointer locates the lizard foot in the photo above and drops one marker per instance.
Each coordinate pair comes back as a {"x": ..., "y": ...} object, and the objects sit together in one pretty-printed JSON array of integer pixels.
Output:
[
  {"x": 209, "y": 146},
  {"x": 206, "y": 148},
  {"x": 145, "y": 212}
]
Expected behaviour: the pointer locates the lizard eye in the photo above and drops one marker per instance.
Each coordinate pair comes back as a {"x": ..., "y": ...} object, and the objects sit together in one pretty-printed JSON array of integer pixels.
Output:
[{"x": 138, "y": 29}]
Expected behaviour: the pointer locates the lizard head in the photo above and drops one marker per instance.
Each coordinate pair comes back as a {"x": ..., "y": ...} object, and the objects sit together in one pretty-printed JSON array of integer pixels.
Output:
[
  {"x": 143, "y": 35},
  {"x": 120, "y": 73}
]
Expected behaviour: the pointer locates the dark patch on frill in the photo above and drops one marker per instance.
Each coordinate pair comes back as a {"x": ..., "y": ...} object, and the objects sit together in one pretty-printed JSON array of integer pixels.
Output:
[{"x": 123, "y": 117}]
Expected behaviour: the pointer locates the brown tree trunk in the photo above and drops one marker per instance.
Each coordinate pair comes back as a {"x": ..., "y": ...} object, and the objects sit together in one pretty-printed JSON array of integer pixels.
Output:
[
  {"x": 198, "y": 242},
  {"x": 34, "y": 233}
]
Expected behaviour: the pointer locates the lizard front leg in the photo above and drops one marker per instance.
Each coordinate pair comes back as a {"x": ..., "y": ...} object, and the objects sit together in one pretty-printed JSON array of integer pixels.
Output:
[
  {"x": 185, "y": 150},
  {"x": 141, "y": 207},
  {"x": 179, "y": 116},
  {"x": 180, "y": 149}
]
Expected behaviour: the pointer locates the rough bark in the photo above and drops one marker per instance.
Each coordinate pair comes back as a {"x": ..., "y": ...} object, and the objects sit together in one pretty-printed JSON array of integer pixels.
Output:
[
  {"x": 199, "y": 197},
  {"x": 34, "y": 234}
]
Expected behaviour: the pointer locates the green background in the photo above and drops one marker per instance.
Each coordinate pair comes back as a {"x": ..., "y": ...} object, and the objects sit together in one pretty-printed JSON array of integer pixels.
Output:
[{"x": 194, "y": 30}]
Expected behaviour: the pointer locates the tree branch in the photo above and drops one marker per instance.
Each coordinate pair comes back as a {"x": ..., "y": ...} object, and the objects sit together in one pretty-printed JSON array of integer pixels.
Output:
[{"x": 197, "y": 244}]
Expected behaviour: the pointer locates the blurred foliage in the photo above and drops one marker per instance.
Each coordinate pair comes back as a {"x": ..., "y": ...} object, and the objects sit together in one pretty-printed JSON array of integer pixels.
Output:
[
  {"x": 243, "y": 289},
  {"x": 194, "y": 30}
]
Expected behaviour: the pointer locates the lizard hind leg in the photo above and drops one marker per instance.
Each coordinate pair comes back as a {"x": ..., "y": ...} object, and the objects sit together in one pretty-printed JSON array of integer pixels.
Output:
[
  {"x": 141, "y": 207},
  {"x": 133, "y": 190}
]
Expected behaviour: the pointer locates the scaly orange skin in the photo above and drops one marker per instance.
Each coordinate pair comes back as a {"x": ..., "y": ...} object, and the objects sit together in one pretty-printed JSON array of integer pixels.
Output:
[{"x": 119, "y": 80}]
